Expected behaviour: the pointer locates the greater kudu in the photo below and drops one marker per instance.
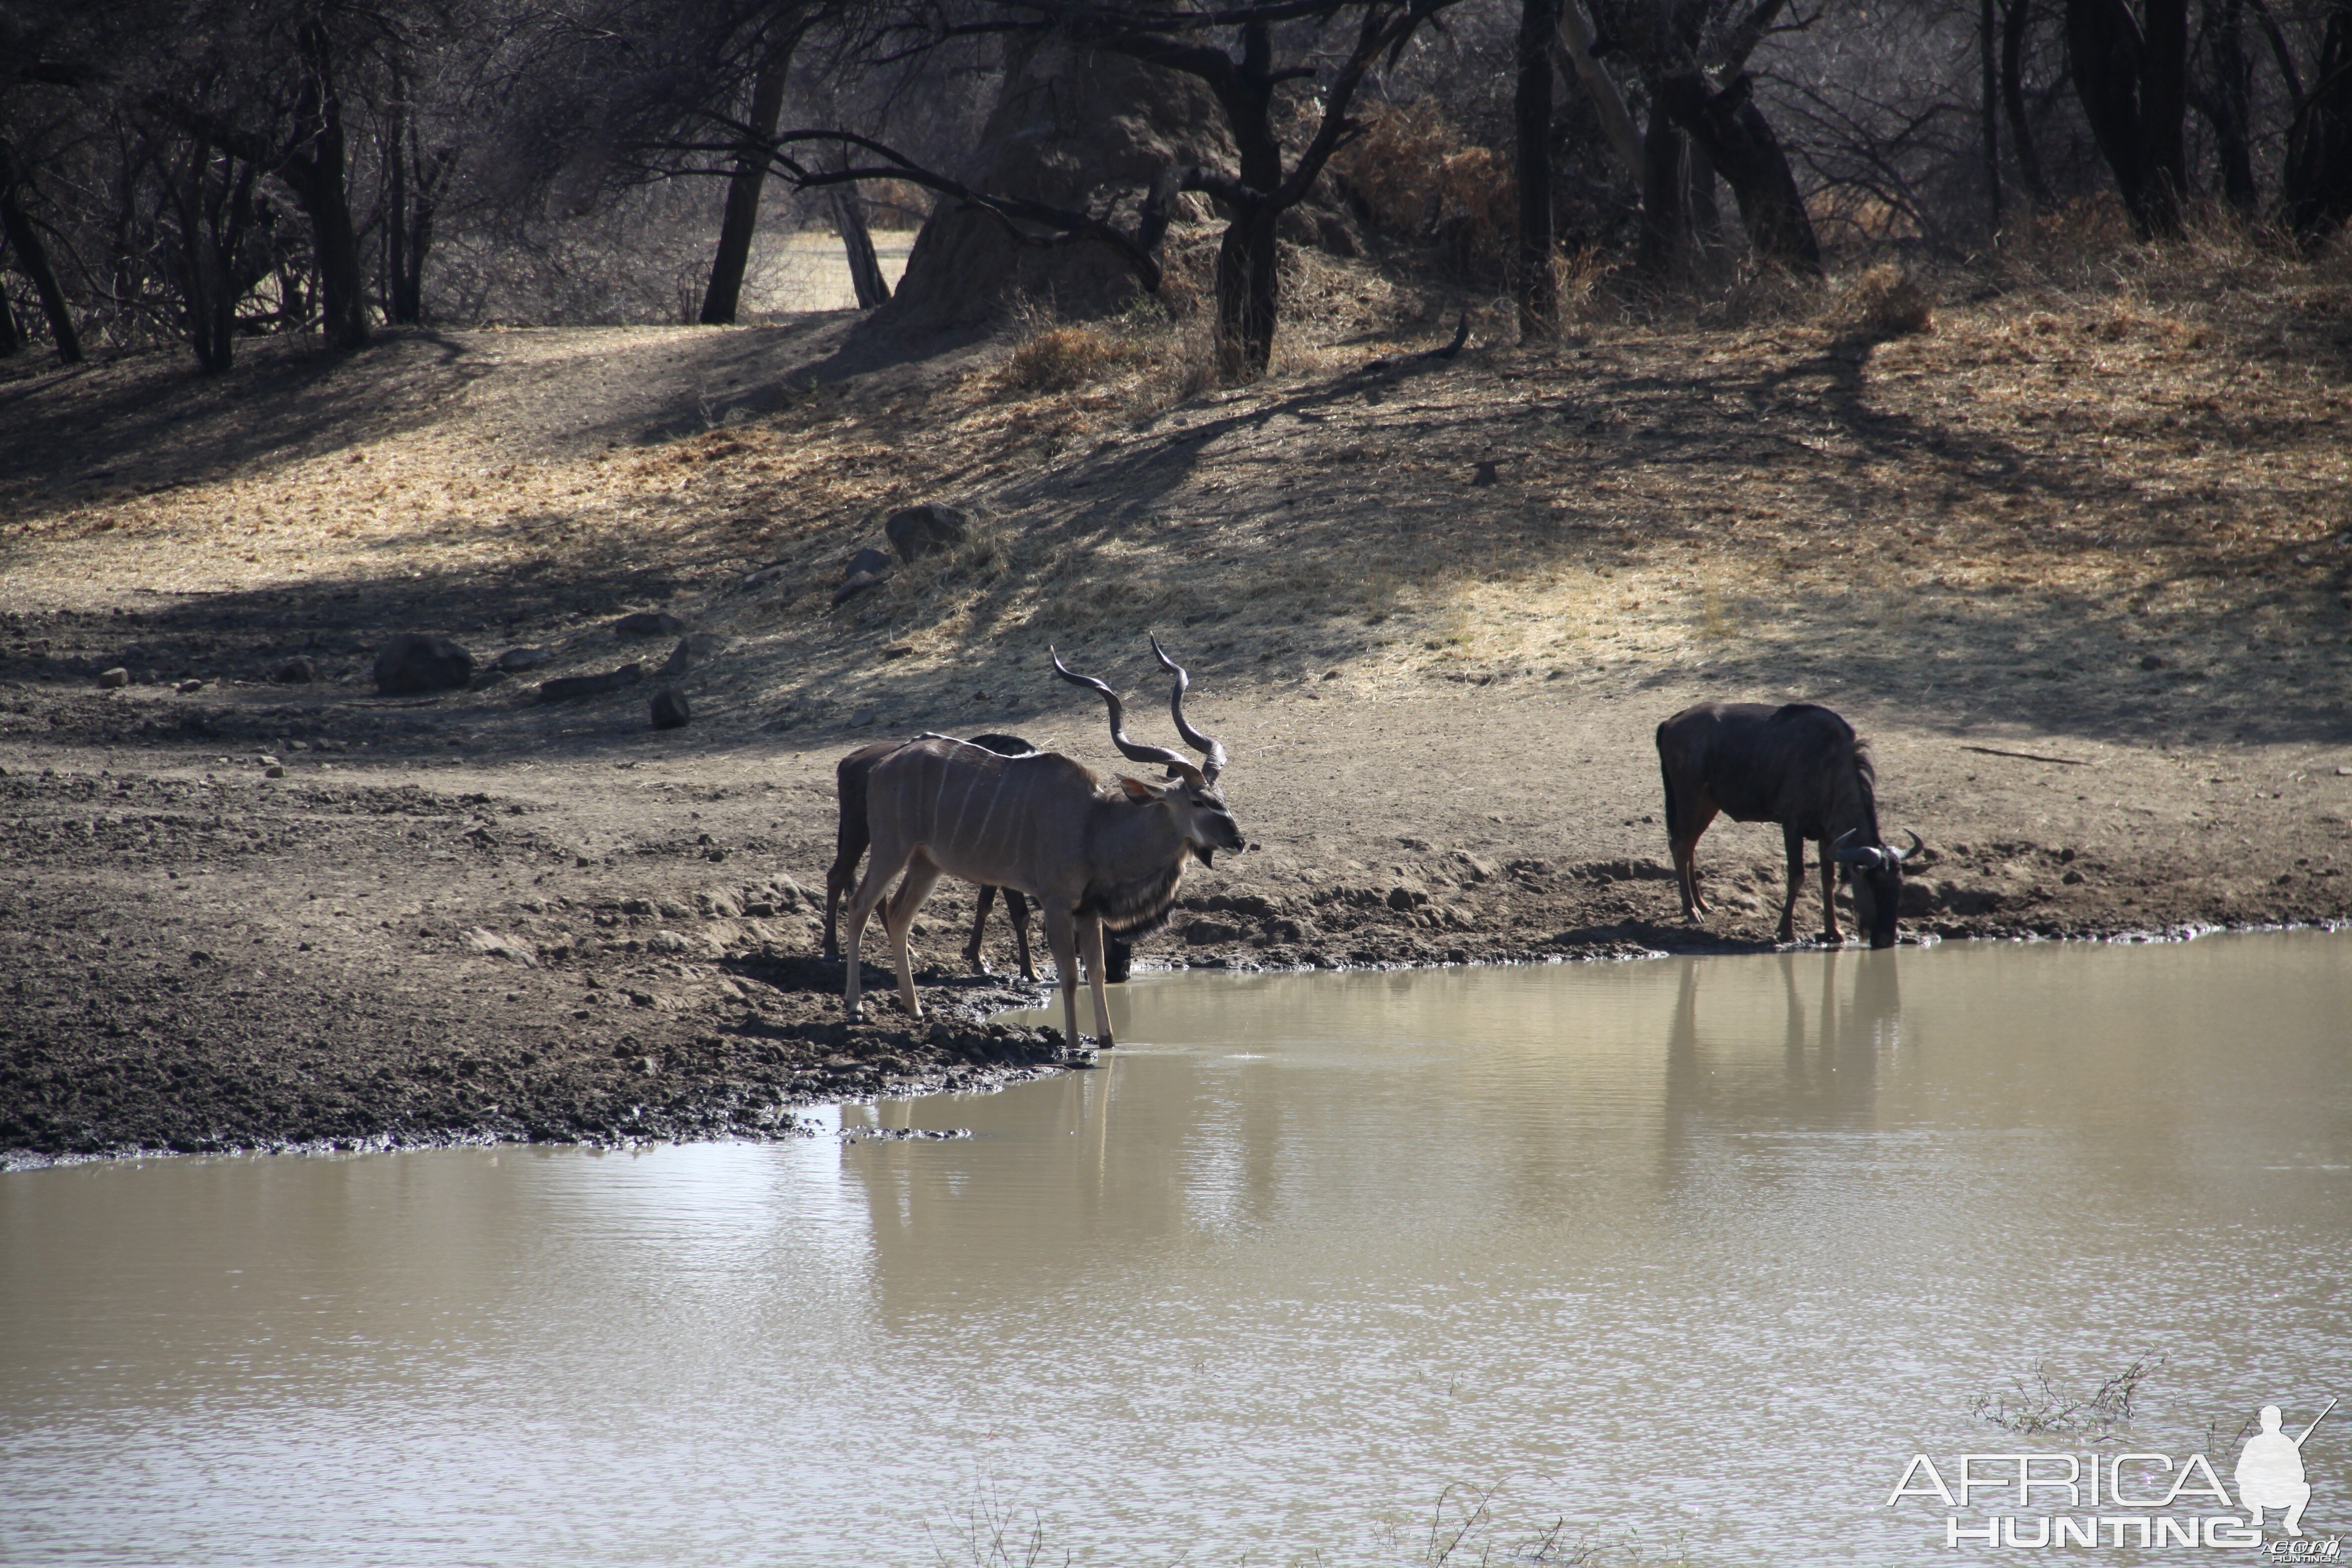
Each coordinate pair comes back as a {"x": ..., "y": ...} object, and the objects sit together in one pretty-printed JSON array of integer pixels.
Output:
[
  {"x": 1092, "y": 856},
  {"x": 851, "y": 836}
]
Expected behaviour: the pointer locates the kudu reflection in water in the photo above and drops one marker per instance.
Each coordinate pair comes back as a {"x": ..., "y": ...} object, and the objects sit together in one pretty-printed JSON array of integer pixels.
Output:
[{"x": 1094, "y": 857}]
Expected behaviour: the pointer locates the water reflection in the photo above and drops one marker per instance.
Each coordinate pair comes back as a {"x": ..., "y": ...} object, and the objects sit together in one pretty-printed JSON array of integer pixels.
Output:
[{"x": 1321, "y": 1247}]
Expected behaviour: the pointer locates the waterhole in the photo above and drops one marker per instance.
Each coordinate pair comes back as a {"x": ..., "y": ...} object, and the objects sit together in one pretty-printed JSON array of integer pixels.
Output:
[{"x": 1672, "y": 1260}]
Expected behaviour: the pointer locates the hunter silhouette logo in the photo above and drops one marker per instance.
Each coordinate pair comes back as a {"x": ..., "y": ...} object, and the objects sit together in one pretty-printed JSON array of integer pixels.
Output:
[
  {"x": 2146, "y": 1500},
  {"x": 2269, "y": 1471}
]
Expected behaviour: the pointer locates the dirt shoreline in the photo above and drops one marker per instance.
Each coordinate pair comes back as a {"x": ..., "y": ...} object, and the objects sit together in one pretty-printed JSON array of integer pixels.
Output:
[{"x": 478, "y": 916}]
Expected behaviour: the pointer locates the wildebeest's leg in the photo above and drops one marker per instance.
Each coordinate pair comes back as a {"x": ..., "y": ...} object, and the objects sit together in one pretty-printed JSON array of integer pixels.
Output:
[
  {"x": 849, "y": 845},
  {"x": 1688, "y": 811},
  {"x": 1062, "y": 941},
  {"x": 1090, "y": 939},
  {"x": 1016, "y": 910},
  {"x": 1796, "y": 843},
  {"x": 1830, "y": 931},
  {"x": 979, "y": 925},
  {"x": 922, "y": 875},
  {"x": 878, "y": 872}
]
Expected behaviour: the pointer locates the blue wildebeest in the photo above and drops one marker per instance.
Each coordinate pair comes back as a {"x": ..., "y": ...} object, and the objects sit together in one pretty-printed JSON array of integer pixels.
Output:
[
  {"x": 1095, "y": 857},
  {"x": 1800, "y": 766},
  {"x": 850, "y": 838}
]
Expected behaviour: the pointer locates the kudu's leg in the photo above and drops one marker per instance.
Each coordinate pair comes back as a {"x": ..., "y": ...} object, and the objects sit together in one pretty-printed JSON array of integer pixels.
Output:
[
  {"x": 1062, "y": 941},
  {"x": 1830, "y": 931},
  {"x": 878, "y": 872},
  {"x": 979, "y": 924},
  {"x": 1695, "y": 816},
  {"x": 898, "y": 919},
  {"x": 1795, "y": 846},
  {"x": 1090, "y": 939},
  {"x": 1017, "y": 911}
]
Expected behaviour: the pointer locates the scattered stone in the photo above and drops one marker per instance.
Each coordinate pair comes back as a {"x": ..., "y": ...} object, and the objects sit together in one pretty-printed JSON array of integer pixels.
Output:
[
  {"x": 189, "y": 688},
  {"x": 267, "y": 760},
  {"x": 490, "y": 944},
  {"x": 493, "y": 676},
  {"x": 862, "y": 718},
  {"x": 566, "y": 687},
  {"x": 753, "y": 580},
  {"x": 515, "y": 660},
  {"x": 666, "y": 941},
  {"x": 670, "y": 708},
  {"x": 2153, "y": 661},
  {"x": 648, "y": 624},
  {"x": 855, "y": 583},
  {"x": 296, "y": 671},
  {"x": 274, "y": 771},
  {"x": 414, "y": 662},
  {"x": 1404, "y": 896},
  {"x": 112, "y": 679},
  {"x": 926, "y": 530}
]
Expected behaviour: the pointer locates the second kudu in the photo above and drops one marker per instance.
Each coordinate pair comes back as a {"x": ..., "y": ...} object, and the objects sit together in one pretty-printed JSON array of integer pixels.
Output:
[{"x": 1092, "y": 856}]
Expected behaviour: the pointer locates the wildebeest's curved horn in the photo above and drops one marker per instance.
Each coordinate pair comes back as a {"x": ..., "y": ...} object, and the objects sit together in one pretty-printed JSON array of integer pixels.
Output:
[
  {"x": 1127, "y": 748},
  {"x": 1860, "y": 854},
  {"x": 1209, "y": 748},
  {"x": 1916, "y": 846}
]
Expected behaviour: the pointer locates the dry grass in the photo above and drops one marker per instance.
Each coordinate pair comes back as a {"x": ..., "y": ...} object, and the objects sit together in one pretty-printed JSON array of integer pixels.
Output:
[
  {"x": 1881, "y": 304},
  {"x": 1420, "y": 178},
  {"x": 2061, "y": 481}
]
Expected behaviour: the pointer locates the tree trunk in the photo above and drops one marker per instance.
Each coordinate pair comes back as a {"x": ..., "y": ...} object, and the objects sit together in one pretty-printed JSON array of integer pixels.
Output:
[
  {"x": 1736, "y": 137},
  {"x": 1709, "y": 255},
  {"x": 1664, "y": 245},
  {"x": 865, "y": 267},
  {"x": 2227, "y": 101},
  {"x": 2012, "y": 90},
  {"x": 1989, "y": 112},
  {"x": 33, "y": 260},
  {"x": 2132, "y": 90},
  {"x": 1539, "y": 285},
  {"x": 316, "y": 172},
  {"x": 1616, "y": 121},
  {"x": 725, "y": 294},
  {"x": 11, "y": 338},
  {"x": 1248, "y": 272},
  {"x": 2317, "y": 180}
]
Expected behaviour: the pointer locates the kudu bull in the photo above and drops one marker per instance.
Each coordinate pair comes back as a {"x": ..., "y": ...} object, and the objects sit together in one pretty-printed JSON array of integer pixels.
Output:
[
  {"x": 1093, "y": 856},
  {"x": 851, "y": 836},
  {"x": 1802, "y": 766}
]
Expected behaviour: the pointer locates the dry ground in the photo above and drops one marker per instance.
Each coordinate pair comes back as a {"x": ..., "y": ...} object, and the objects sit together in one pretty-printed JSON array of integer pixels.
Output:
[{"x": 2077, "y": 561}]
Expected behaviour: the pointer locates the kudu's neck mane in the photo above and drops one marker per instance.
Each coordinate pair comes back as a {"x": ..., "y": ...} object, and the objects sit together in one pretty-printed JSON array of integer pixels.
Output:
[{"x": 1141, "y": 860}]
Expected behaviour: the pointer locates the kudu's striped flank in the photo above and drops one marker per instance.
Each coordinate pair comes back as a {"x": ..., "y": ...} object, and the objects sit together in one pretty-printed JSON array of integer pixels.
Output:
[{"x": 1093, "y": 856}]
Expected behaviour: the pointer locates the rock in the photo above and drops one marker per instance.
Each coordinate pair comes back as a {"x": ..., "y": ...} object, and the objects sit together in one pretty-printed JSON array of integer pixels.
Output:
[
  {"x": 274, "y": 771},
  {"x": 718, "y": 905},
  {"x": 2153, "y": 661},
  {"x": 926, "y": 530},
  {"x": 189, "y": 688},
  {"x": 1483, "y": 476},
  {"x": 680, "y": 659},
  {"x": 648, "y": 624},
  {"x": 1404, "y": 896},
  {"x": 670, "y": 708},
  {"x": 112, "y": 679},
  {"x": 862, "y": 718},
  {"x": 267, "y": 760},
  {"x": 754, "y": 581},
  {"x": 414, "y": 662},
  {"x": 855, "y": 583},
  {"x": 490, "y": 944},
  {"x": 667, "y": 942},
  {"x": 515, "y": 660},
  {"x": 564, "y": 689},
  {"x": 296, "y": 671},
  {"x": 1473, "y": 868}
]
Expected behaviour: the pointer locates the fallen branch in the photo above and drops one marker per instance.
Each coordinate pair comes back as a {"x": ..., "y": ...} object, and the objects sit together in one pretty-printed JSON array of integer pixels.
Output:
[{"x": 2029, "y": 757}]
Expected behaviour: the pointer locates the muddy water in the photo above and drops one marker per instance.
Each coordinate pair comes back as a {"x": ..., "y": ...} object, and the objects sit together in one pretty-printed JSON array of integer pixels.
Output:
[{"x": 1691, "y": 1256}]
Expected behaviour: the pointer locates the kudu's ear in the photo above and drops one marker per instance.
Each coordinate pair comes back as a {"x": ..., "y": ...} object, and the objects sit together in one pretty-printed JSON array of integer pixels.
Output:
[{"x": 1137, "y": 790}]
